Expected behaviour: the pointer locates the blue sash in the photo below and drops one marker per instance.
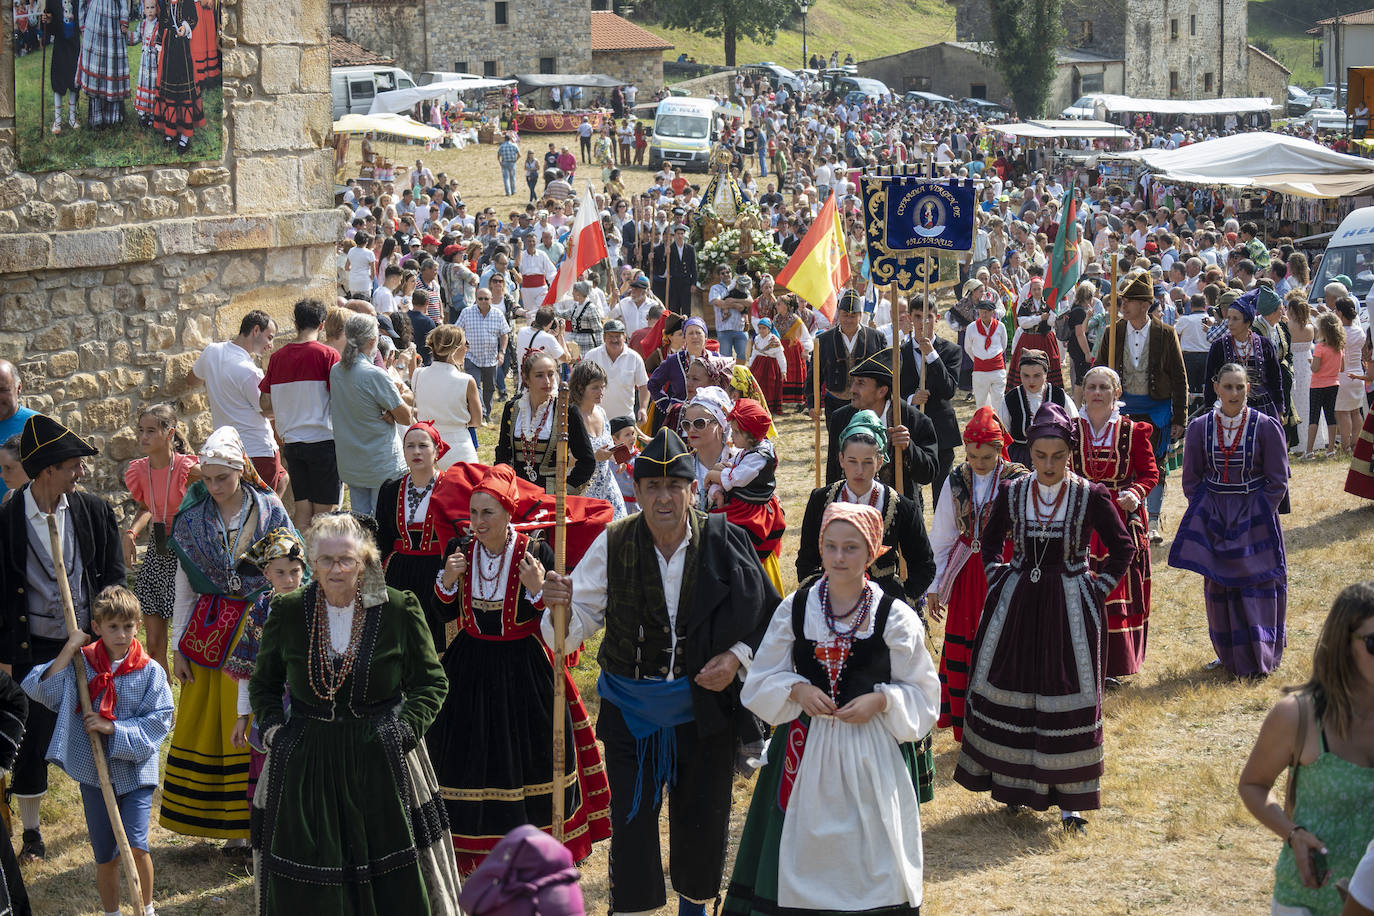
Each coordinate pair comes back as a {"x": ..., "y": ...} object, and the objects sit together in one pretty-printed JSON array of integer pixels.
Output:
[
  {"x": 1159, "y": 412},
  {"x": 652, "y": 711}
]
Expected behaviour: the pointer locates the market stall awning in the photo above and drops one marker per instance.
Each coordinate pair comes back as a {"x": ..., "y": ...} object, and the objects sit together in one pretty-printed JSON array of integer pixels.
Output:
[
  {"x": 1114, "y": 104},
  {"x": 549, "y": 80},
  {"x": 1262, "y": 159},
  {"x": 405, "y": 99},
  {"x": 392, "y": 125},
  {"x": 1065, "y": 130}
]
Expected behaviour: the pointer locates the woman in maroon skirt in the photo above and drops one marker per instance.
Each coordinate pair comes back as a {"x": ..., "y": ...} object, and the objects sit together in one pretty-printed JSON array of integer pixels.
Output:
[
  {"x": 796, "y": 349},
  {"x": 1033, "y": 715},
  {"x": 1036, "y": 332},
  {"x": 1115, "y": 452},
  {"x": 961, "y": 585},
  {"x": 769, "y": 364}
]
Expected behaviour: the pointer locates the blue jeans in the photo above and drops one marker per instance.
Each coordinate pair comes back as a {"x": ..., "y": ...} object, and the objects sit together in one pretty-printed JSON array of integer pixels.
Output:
[
  {"x": 733, "y": 342},
  {"x": 508, "y": 177},
  {"x": 1154, "y": 500},
  {"x": 485, "y": 376},
  {"x": 363, "y": 500},
  {"x": 763, "y": 160}
]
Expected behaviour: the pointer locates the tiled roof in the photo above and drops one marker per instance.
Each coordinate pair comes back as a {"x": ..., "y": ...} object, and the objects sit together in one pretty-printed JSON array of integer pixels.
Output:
[
  {"x": 344, "y": 53},
  {"x": 614, "y": 33},
  {"x": 1363, "y": 17}
]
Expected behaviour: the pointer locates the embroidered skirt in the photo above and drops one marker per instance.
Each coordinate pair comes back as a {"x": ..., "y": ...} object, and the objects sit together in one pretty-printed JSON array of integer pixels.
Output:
[{"x": 961, "y": 626}]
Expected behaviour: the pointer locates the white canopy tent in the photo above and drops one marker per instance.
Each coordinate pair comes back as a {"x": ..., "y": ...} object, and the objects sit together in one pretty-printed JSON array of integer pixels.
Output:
[
  {"x": 405, "y": 99},
  {"x": 1262, "y": 160},
  {"x": 1115, "y": 104},
  {"x": 390, "y": 125},
  {"x": 1064, "y": 130}
]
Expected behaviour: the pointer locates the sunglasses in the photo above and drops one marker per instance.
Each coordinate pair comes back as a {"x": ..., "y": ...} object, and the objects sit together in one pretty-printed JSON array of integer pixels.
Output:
[
  {"x": 1368, "y": 639},
  {"x": 699, "y": 424}
]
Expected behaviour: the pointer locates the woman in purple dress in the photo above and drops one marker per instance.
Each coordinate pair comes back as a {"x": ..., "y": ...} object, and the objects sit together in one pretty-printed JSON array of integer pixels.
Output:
[
  {"x": 1033, "y": 713},
  {"x": 1250, "y": 350},
  {"x": 1235, "y": 475}
]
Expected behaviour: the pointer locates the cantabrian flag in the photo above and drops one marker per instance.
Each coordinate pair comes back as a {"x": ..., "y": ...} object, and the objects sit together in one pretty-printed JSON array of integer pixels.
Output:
[{"x": 820, "y": 265}]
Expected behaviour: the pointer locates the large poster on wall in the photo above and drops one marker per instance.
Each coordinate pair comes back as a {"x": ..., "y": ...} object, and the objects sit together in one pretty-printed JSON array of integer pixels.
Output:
[{"x": 116, "y": 82}]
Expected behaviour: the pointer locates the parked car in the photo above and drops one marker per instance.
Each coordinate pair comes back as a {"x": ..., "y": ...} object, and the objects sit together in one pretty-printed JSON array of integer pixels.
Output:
[
  {"x": 776, "y": 74},
  {"x": 930, "y": 99},
  {"x": 1326, "y": 97},
  {"x": 846, "y": 86},
  {"x": 984, "y": 108},
  {"x": 354, "y": 88},
  {"x": 1081, "y": 110},
  {"x": 1299, "y": 102}
]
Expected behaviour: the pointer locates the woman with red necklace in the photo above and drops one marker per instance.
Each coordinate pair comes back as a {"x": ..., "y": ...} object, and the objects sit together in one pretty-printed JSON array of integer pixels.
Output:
[
  {"x": 1115, "y": 452},
  {"x": 1235, "y": 474},
  {"x": 1033, "y": 714},
  {"x": 490, "y": 741},
  {"x": 528, "y": 440}
]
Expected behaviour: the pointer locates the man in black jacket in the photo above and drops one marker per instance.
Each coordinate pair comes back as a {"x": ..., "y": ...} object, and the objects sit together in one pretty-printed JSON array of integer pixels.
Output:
[
  {"x": 32, "y": 621},
  {"x": 842, "y": 348},
  {"x": 913, "y": 437},
  {"x": 942, "y": 360},
  {"x": 679, "y": 262}
]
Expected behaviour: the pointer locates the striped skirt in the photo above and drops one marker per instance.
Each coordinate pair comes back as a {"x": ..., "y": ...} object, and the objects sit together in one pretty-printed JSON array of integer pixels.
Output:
[{"x": 205, "y": 790}]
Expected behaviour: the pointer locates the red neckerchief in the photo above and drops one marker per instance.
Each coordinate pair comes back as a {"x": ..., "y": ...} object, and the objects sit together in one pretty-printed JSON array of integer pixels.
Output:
[
  {"x": 98, "y": 661},
  {"x": 989, "y": 333}
]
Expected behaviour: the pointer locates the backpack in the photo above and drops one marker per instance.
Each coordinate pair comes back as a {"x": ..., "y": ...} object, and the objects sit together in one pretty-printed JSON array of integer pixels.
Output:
[{"x": 529, "y": 873}]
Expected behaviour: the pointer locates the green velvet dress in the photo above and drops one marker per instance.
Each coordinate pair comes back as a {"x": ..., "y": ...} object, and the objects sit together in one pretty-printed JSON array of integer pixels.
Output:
[{"x": 346, "y": 818}]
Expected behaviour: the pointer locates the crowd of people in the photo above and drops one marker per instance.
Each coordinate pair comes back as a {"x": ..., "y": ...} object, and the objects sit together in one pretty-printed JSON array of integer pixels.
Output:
[{"x": 366, "y": 695}]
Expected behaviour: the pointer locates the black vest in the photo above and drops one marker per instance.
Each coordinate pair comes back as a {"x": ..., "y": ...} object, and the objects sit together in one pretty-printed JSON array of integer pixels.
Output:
[
  {"x": 1018, "y": 408},
  {"x": 869, "y": 662},
  {"x": 759, "y": 490},
  {"x": 639, "y": 638}
]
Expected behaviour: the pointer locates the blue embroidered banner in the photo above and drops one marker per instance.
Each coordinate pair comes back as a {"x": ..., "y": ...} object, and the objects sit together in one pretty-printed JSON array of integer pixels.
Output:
[{"x": 929, "y": 214}]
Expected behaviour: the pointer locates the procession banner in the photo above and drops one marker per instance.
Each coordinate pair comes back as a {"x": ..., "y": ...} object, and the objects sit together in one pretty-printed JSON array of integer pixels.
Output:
[
  {"x": 105, "y": 83},
  {"x": 906, "y": 269},
  {"x": 928, "y": 214}
]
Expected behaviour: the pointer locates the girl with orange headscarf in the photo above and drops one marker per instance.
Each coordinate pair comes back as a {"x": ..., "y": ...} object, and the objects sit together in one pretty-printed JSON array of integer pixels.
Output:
[{"x": 960, "y": 585}]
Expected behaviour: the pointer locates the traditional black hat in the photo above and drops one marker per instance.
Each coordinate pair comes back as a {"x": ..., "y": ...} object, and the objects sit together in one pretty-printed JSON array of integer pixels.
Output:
[
  {"x": 45, "y": 442},
  {"x": 666, "y": 456},
  {"x": 1137, "y": 285},
  {"x": 877, "y": 367},
  {"x": 850, "y": 301}
]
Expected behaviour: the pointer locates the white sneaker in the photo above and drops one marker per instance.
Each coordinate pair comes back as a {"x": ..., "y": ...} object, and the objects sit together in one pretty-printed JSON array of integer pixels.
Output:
[{"x": 1156, "y": 536}]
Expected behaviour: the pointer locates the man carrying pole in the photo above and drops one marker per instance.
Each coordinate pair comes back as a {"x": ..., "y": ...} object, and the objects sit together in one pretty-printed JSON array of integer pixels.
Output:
[
  {"x": 32, "y": 622},
  {"x": 685, "y": 603}
]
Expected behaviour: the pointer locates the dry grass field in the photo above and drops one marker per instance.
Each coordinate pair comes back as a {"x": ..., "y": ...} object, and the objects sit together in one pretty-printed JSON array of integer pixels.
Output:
[{"x": 1172, "y": 838}]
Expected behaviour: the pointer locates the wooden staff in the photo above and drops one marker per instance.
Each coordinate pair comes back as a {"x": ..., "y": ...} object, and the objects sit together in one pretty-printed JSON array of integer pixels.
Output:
[
  {"x": 816, "y": 389},
  {"x": 1111, "y": 321},
  {"x": 560, "y": 615},
  {"x": 83, "y": 695},
  {"x": 895, "y": 397}
]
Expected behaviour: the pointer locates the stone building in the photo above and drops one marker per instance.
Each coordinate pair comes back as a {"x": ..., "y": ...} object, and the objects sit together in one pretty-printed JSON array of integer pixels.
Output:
[
  {"x": 484, "y": 37},
  {"x": 1179, "y": 49},
  {"x": 1268, "y": 77},
  {"x": 625, "y": 51},
  {"x": 113, "y": 279}
]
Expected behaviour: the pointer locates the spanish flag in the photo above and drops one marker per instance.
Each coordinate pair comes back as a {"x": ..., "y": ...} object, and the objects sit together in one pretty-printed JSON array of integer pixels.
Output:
[{"x": 820, "y": 265}]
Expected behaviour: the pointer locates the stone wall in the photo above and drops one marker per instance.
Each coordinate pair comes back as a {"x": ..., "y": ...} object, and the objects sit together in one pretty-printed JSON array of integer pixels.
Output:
[
  {"x": 1216, "y": 45},
  {"x": 1267, "y": 77},
  {"x": 112, "y": 280},
  {"x": 390, "y": 29},
  {"x": 465, "y": 31},
  {"x": 642, "y": 68},
  {"x": 1104, "y": 32}
]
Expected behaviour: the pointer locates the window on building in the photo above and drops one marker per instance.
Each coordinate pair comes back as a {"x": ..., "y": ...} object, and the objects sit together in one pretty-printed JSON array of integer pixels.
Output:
[
  {"x": 548, "y": 65},
  {"x": 1207, "y": 83},
  {"x": 978, "y": 90},
  {"x": 460, "y": 66},
  {"x": 1173, "y": 27},
  {"x": 503, "y": 13},
  {"x": 1192, "y": 25},
  {"x": 1085, "y": 31},
  {"x": 489, "y": 68},
  {"x": 1173, "y": 82},
  {"x": 1091, "y": 82}
]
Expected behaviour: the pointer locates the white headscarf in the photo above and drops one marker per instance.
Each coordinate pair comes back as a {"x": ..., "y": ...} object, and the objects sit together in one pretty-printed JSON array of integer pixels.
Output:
[
  {"x": 224, "y": 447},
  {"x": 714, "y": 401}
]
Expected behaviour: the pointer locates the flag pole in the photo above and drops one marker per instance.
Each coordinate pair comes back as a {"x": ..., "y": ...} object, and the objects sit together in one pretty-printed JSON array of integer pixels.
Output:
[
  {"x": 896, "y": 393},
  {"x": 560, "y": 617},
  {"x": 1111, "y": 322},
  {"x": 816, "y": 390}
]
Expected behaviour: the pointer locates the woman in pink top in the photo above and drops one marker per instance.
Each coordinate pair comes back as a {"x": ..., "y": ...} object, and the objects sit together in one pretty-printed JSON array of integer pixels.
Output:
[
  {"x": 158, "y": 483},
  {"x": 1327, "y": 358}
]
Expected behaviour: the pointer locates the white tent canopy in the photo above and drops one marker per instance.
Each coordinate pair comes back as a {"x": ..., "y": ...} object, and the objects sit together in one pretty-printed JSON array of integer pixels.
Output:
[
  {"x": 405, "y": 99},
  {"x": 1049, "y": 130},
  {"x": 1263, "y": 160},
  {"x": 392, "y": 125},
  {"x": 1113, "y": 104}
]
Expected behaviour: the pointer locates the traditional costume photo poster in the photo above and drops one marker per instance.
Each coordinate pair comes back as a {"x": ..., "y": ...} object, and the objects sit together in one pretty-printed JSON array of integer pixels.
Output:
[{"x": 102, "y": 83}]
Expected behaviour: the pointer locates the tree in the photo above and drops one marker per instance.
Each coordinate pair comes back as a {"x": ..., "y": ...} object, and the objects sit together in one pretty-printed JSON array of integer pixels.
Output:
[
  {"x": 1027, "y": 33},
  {"x": 730, "y": 20}
]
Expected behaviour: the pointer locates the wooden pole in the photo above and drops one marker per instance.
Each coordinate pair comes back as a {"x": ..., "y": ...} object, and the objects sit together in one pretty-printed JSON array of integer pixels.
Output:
[
  {"x": 816, "y": 389},
  {"x": 1111, "y": 321},
  {"x": 895, "y": 396},
  {"x": 560, "y": 616},
  {"x": 83, "y": 695}
]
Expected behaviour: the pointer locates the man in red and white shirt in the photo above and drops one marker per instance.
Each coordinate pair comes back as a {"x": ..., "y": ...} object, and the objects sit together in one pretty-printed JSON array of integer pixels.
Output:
[
  {"x": 295, "y": 391},
  {"x": 986, "y": 344}
]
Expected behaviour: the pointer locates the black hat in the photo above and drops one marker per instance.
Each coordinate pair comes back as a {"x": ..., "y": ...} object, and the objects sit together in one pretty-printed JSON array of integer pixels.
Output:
[
  {"x": 619, "y": 423},
  {"x": 877, "y": 367},
  {"x": 640, "y": 282},
  {"x": 850, "y": 301},
  {"x": 45, "y": 442},
  {"x": 666, "y": 456},
  {"x": 672, "y": 323}
]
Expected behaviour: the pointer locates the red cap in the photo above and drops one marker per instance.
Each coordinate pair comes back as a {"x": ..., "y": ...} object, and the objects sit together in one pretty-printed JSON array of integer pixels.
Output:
[
  {"x": 429, "y": 240},
  {"x": 499, "y": 483},
  {"x": 751, "y": 416},
  {"x": 986, "y": 427}
]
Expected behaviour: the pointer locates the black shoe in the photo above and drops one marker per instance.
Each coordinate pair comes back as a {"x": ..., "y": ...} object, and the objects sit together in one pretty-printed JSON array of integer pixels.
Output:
[
  {"x": 1075, "y": 825},
  {"x": 184, "y": 145},
  {"x": 1112, "y": 683},
  {"x": 33, "y": 848}
]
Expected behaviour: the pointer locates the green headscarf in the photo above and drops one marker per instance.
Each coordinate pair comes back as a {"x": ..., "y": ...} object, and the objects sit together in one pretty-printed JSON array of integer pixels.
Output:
[{"x": 866, "y": 421}]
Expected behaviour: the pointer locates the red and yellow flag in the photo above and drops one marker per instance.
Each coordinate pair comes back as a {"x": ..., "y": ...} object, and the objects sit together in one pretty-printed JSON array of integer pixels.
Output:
[{"x": 820, "y": 265}]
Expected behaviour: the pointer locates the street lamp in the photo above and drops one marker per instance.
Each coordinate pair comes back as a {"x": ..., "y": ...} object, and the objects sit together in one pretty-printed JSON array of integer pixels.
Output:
[{"x": 805, "y": 5}]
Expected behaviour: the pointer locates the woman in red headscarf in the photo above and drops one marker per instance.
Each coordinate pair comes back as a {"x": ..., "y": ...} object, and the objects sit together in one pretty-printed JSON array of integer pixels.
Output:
[
  {"x": 412, "y": 552},
  {"x": 748, "y": 484},
  {"x": 960, "y": 587},
  {"x": 490, "y": 743}
]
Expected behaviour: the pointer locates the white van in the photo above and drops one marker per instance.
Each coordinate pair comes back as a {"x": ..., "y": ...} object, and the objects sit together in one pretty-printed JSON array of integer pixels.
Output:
[
  {"x": 684, "y": 129},
  {"x": 354, "y": 88},
  {"x": 1349, "y": 251}
]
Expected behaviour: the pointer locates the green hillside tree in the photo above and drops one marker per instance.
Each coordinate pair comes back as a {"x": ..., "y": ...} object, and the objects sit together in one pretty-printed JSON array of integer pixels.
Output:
[
  {"x": 729, "y": 20},
  {"x": 1027, "y": 33}
]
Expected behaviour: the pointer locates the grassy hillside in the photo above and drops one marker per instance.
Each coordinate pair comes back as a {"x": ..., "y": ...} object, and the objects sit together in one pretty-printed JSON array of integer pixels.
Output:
[
  {"x": 1279, "y": 27},
  {"x": 864, "y": 28}
]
